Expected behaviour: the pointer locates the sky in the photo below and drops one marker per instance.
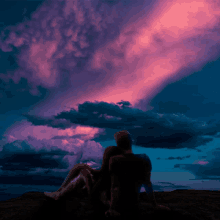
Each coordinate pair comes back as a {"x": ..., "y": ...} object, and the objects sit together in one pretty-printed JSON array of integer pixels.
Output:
[{"x": 74, "y": 72}]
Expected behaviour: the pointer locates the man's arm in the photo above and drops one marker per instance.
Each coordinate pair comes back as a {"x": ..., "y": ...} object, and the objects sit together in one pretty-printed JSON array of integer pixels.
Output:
[
  {"x": 152, "y": 198},
  {"x": 149, "y": 189}
]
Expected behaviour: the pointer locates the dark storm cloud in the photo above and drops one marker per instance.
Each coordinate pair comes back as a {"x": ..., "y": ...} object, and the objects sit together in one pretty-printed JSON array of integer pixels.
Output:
[
  {"x": 17, "y": 96},
  {"x": 148, "y": 129},
  {"x": 175, "y": 158},
  {"x": 8, "y": 60},
  {"x": 20, "y": 162},
  {"x": 43, "y": 162},
  {"x": 196, "y": 96},
  {"x": 19, "y": 9},
  {"x": 55, "y": 123}
]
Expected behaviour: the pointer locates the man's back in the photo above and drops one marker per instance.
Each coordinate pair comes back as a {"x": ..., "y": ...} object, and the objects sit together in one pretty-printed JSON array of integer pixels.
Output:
[
  {"x": 104, "y": 179},
  {"x": 127, "y": 172}
]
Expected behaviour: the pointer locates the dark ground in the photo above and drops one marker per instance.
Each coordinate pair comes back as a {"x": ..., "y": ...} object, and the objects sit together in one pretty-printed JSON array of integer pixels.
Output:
[{"x": 184, "y": 204}]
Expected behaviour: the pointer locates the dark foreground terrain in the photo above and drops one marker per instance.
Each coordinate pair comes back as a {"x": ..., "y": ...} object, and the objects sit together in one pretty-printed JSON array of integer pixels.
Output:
[{"x": 184, "y": 204}]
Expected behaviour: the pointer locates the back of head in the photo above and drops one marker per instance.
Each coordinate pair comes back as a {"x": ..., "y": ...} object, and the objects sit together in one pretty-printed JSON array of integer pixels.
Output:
[{"x": 123, "y": 140}]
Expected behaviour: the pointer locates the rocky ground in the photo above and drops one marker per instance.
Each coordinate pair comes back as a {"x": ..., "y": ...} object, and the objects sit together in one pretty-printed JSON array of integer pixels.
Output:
[{"x": 184, "y": 204}]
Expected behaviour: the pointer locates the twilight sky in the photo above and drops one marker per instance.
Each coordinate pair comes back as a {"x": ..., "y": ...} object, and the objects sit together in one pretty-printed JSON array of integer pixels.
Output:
[{"x": 74, "y": 72}]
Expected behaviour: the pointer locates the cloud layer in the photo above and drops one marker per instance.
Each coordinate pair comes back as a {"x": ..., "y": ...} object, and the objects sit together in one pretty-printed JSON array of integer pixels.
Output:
[
  {"x": 113, "y": 45},
  {"x": 45, "y": 162},
  {"x": 148, "y": 129}
]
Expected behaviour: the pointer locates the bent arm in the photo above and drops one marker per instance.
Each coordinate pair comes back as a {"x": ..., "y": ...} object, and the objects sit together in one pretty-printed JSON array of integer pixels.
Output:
[{"x": 149, "y": 189}]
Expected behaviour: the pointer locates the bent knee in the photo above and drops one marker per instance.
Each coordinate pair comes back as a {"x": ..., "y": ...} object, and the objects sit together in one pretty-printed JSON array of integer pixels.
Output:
[
  {"x": 76, "y": 179},
  {"x": 81, "y": 165},
  {"x": 78, "y": 167}
]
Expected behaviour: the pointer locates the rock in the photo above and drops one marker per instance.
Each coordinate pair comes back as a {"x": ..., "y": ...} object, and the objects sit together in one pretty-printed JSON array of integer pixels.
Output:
[{"x": 184, "y": 204}]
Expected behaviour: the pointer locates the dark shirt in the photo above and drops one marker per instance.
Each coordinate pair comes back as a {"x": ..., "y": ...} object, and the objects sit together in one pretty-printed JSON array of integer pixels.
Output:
[{"x": 104, "y": 180}]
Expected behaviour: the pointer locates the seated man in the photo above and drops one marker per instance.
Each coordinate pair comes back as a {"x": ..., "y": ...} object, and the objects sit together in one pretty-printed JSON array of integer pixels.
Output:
[{"x": 127, "y": 172}]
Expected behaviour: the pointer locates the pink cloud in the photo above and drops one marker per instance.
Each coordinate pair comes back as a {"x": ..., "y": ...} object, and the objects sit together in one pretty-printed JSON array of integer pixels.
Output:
[
  {"x": 203, "y": 162},
  {"x": 53, "y": 35},
  {"x": 147, "y": 54},
  {"x": 177, "y": 34},
  {"x": 200, "y": 162},
  {"x": 25, "y": 130}
]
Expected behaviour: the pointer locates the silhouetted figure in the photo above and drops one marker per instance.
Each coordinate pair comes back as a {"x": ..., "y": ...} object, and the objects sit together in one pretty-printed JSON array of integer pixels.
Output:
[
  {"x": 83, "y": 174},
  {"x": 108, "y": 179},
  {"x": 128, "y": 173}
]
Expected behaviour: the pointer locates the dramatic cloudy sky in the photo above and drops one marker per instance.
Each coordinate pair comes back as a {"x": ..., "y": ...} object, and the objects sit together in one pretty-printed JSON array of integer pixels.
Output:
[{"x": 74, "y": 72}]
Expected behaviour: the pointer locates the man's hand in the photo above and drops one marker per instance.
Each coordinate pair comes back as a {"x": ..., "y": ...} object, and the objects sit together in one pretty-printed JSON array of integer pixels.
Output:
[
  {"x": 161, "y": 207},
  {"x": 112, "y": 213}
]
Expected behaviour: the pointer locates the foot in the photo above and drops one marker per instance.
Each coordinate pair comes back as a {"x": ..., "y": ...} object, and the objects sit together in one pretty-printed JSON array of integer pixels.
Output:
[
  {"x": 161, "y": 207},
  {"x": 112, "y": 213},
  {"x": 53, "y": 195}
]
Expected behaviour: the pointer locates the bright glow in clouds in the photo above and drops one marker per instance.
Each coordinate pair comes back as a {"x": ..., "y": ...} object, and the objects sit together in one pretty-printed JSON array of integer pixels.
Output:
[
  {"x": 182, "y": 17},
  {"x": 79, "y": 134},
  {"x": 138, "y": 64},
  {"x": 164, "y": 47},
  {"x": 65, "y": 142}
]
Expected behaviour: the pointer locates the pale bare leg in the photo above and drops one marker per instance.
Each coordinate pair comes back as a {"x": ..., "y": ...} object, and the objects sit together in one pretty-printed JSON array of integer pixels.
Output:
[
  {"x": 53, "y": 195},
  {"x": 71, "y": 186},
  {"x": 73, "y": 173},
  {"x": 68, "y": 188}
]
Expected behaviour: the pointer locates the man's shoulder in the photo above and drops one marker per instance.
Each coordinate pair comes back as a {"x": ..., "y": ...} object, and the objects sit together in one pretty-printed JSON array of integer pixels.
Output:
[
  {"x": 146, "y": 158},
  {"x": 137, "y": 158},
  {"x": 110, "y": 149},
  {"x": 143, "y": 156}
]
